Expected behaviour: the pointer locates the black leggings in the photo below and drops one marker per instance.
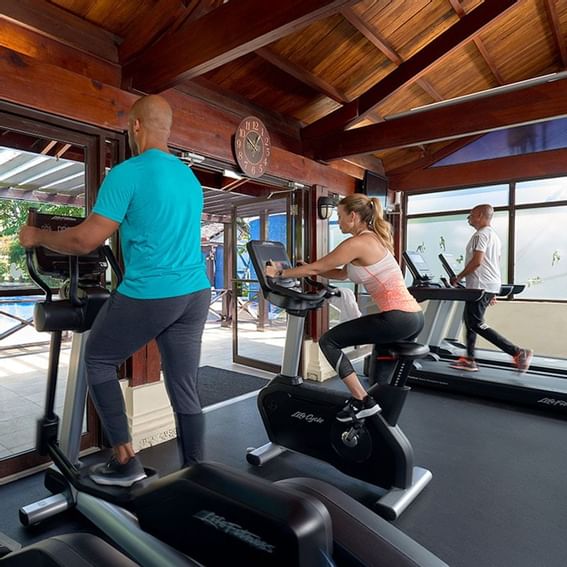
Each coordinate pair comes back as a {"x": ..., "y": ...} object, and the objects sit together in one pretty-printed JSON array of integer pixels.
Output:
[
  {"x": 476, "y": 325},
  {"x": 379, "y": 328}
]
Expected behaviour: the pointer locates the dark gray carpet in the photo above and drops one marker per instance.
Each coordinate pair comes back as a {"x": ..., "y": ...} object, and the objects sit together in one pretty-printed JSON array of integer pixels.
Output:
[
  {"x": 217, "y": 385},
  {"x": 496, "y": 498}
]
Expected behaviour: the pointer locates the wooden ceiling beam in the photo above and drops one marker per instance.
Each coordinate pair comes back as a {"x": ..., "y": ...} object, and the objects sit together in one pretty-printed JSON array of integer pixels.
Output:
[
  {"x": 51, "y": 21},
  {"x": 460, "y": 11},
  {"x": 388, "y": 50},
  {"x": 284, "y": 131},
  {"x": 433, "y": 157},
  {"x": 201, "y": 46},
  {"x": 197, "y": 126},
  {"x": 412, "y": 69},
  {"x": 301, "y": 74},
  {"x": 430, "y": 90},
  {"x": 167, "y": 16},
  {"x": 500, "y": 170},
  {"x": 515, "y": 107},
  {"x": 555, "y": 25},
  {"x": 358, "y": 23},
  {"x": 22, "y": 39}
]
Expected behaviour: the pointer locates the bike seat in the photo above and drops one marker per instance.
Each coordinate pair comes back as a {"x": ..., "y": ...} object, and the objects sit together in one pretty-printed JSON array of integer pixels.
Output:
[{"x": 406, "y": 349}]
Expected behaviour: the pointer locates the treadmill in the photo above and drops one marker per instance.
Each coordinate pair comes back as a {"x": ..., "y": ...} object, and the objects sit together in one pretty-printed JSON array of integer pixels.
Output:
[
  {"x": 453, "y": 347},
  {"x": 543, "y": 387}
]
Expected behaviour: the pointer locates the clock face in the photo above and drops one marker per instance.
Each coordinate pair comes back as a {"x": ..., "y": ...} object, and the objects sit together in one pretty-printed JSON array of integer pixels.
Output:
[{"x": 252, "y": 146}]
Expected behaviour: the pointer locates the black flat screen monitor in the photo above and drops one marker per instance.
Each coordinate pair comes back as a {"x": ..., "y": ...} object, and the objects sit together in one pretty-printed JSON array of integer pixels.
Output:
[{"x": 375, "y": 185}]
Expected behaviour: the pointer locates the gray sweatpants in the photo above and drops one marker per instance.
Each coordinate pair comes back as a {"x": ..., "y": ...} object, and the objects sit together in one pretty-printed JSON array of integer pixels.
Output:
[{"x": 123, "y": 326}]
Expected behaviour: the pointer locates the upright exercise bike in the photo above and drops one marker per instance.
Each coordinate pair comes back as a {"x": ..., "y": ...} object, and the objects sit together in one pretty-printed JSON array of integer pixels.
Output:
[{"x": 302, "y": 417}]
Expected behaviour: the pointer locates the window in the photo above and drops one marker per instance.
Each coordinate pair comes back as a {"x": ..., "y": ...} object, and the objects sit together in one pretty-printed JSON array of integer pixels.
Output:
[
  {"x": 449, "y": 235},
  {"x": 460, "y": 200},
  {"x": 541, "y": 252},
  {"x": 437, "y": 223},
  {"x": 541, "y": 191}
]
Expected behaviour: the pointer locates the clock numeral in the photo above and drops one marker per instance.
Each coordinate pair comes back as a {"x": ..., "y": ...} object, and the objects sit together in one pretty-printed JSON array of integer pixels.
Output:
[
  {"x": 240, "y": 155},
  {"x": 238, "y": 143}
]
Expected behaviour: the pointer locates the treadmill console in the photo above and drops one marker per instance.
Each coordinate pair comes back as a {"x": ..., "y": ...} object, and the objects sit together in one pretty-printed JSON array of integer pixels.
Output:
[{"x": 420, "y": 271}]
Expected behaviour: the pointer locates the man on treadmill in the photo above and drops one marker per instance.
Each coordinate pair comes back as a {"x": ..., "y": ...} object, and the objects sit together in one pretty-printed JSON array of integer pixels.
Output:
[{"x": 482, "y": 271}]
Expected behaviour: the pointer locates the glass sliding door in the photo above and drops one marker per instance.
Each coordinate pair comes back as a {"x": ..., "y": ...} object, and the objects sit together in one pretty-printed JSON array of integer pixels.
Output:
[
  {"x": 258, "y": 327},
  {"x": 55, "y": 167}
]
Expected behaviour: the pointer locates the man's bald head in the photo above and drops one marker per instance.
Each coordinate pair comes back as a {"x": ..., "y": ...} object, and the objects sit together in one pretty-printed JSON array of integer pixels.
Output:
[
  {"x": 481, "y": 216},
  {"x": 486, "y": 211},
  {"x": 153, "y": 112},
  {"x": 149, "y": 124}
]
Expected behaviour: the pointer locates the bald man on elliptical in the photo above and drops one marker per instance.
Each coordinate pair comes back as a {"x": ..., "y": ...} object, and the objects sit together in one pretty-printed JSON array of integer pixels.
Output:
[{"x": 155, "y": 202}]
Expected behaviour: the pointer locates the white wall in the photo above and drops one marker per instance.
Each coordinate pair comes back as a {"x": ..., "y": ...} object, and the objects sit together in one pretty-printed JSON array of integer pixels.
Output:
[{"x": 539, "y": 326}]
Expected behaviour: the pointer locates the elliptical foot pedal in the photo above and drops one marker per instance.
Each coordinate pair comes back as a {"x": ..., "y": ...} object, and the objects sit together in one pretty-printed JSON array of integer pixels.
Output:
[{"x": 7, "y": 545}]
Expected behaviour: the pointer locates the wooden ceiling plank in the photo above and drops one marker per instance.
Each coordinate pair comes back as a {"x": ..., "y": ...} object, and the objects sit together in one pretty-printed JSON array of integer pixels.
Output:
[
  {"x": 372, "y": 36},
  {"x": 468, "y": 117},
  {"x": 430, "y": 90},
  {"x": 203, "y": 45},
  {"x": 460, "y": 11},
  {"x": 144, "y": 31},
  {"x": 167, "y": 16},
  {"x": 372, "y": 163},
  {"x": 414, "y": 68},
  {"x": 58, "y": 24},
  {"x": 500, "y": 170},
  {"x": 555, "y": 25},
  {"x": 458, "y": 8},
  {"x": 489, "y": 61},
  {"x": 301, "y": 74}
]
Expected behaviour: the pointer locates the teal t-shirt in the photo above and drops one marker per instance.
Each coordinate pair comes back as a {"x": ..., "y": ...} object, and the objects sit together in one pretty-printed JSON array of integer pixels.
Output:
[{"x": 158, "y": 202}]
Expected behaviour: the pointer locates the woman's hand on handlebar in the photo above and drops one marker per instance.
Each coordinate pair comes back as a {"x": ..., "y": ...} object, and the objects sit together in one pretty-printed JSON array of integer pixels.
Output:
[{"x": 273, "y": 269}]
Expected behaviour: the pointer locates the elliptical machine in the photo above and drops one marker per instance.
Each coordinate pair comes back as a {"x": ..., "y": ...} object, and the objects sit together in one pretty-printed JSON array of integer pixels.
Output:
[
  {"x": 195, "y": 516},
  {"x": 302, "y": 417},
  {"x": 198, "y": 515}
]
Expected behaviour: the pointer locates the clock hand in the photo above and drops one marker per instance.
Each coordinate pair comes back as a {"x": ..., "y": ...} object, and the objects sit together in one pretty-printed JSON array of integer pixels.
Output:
[{"x": 255, "y": 144}]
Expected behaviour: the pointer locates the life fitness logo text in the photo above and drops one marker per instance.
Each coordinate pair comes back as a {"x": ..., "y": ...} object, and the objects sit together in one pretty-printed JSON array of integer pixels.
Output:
[
  {"x": 308, "y": 417},
  {"x": 553, "y": 402}
]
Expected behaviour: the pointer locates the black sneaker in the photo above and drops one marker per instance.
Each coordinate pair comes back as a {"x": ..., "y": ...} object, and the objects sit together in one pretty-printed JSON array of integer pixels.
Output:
[
  {"x": 112, "y": 473},
  {"x": 358, "y": 409}
]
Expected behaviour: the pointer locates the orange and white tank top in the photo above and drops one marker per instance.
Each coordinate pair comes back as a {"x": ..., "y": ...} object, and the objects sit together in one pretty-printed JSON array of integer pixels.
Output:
[{"x": 385, "y": 284}]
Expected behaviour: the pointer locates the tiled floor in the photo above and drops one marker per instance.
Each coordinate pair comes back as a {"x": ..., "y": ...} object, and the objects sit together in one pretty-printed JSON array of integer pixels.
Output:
[{"x": 23, "y": 378}]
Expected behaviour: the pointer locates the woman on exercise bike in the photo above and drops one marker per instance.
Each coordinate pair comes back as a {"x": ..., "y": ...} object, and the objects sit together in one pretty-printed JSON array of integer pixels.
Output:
[{"x": 365, "y": 258}]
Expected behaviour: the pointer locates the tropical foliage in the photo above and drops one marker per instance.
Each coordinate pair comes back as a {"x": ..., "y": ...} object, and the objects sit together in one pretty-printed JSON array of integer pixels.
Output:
[{"x": 13, "y": 214}]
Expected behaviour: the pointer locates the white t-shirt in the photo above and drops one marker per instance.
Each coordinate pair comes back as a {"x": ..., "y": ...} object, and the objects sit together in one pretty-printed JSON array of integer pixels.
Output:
[{"x": 487, "y": 276}]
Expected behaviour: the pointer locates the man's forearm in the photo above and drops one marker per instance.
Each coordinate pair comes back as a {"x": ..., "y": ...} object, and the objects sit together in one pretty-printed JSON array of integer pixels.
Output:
[{"x": 68, "y": 242}]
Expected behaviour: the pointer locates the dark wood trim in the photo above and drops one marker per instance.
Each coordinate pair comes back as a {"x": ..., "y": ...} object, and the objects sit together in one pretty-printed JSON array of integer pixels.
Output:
[
  {"x": 62, "y": 26},
  {"x": 468, "y": 117},
  {"x": 203, "y": 45},
  {"x": 411, "y": 70},
  {"x": 197, "y": 127},
  {"x": 552, "y": 163},
  {"x": 301, "y": 74}
]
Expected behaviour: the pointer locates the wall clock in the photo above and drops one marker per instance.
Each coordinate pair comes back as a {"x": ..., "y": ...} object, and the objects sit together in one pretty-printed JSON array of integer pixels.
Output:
[{"x": 252, "y": 147}]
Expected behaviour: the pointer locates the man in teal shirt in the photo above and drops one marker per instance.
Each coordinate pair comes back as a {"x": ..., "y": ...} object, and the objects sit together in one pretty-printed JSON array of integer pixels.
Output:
[{"x": 155, "y": 202}]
